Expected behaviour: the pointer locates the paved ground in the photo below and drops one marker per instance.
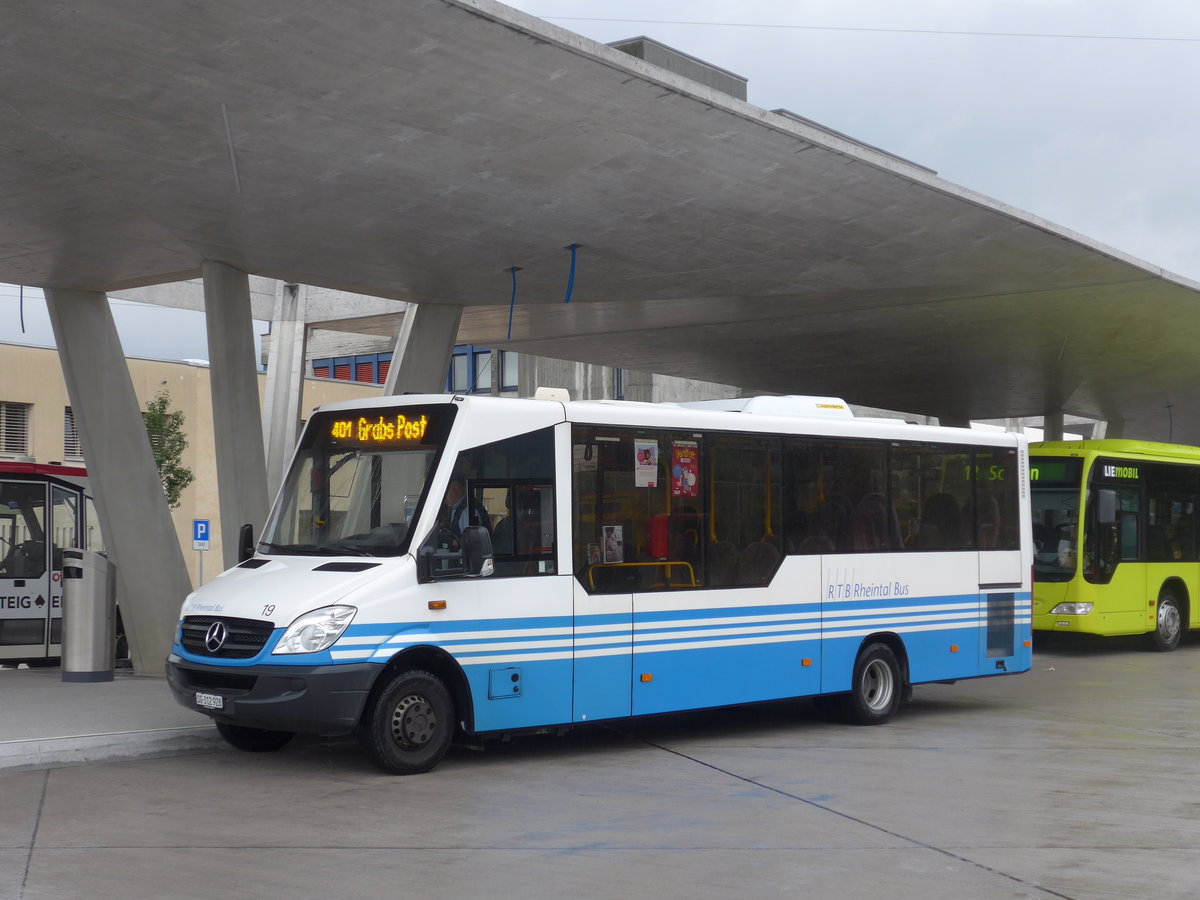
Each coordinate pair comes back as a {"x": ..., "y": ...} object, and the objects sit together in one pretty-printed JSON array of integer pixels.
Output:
[{"x": 1076, "y": 780}]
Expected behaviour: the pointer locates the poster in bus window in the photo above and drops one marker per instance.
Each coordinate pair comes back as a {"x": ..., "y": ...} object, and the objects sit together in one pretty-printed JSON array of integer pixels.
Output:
[
  {"x": 645, "y": 463},
  {"x": 685, "y": 469},
  {"x": 614, "y": 544}
]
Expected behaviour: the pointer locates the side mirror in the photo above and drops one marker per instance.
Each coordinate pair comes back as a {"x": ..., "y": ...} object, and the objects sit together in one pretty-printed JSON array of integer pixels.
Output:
[
  {"x": 477, "y": 551},
  {"x": 245, "y": 543},
  {"x": 1106, "y": 507}
]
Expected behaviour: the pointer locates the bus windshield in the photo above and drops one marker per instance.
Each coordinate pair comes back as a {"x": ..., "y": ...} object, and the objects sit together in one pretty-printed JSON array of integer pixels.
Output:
[
  {"x": 1055, "y": 517},
  {"x": 358, "y": 482}
]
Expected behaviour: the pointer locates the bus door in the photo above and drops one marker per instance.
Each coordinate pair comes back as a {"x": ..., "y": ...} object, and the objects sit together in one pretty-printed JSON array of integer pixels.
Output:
[
  {"x": 603, "y": 655},
  {"x": 30, "y": 610},
  {"x": 1107, "y": 544},
  {"x": 511, "y": 630}
]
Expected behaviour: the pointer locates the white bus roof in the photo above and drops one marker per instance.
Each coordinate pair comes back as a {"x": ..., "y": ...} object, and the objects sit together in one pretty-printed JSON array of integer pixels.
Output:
[{"x": 762, "y": 418}]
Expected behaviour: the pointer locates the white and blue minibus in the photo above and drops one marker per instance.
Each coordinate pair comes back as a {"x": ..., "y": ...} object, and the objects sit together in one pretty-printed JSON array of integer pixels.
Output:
[{"x": 614, "y": 559}]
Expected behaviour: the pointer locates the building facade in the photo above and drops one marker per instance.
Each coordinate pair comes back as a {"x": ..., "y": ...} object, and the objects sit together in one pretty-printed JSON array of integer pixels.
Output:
[{"x": 37, "y": 425}]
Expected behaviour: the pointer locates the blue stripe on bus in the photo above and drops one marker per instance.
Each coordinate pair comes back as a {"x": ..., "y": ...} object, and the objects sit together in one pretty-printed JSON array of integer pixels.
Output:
[{"x": 592, "y": 666}]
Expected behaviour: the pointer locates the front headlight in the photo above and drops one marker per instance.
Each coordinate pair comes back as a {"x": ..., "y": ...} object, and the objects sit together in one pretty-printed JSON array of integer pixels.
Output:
[
  {"x": 316, "y": 630},
  {"x": 1071, "y": 609}
]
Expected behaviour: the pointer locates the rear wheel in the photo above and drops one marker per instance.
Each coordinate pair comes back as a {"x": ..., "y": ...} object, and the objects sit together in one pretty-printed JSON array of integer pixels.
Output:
[
  {"x": 1168, "y": 627},
  {"x": 408, "y": 724},
  {"x": 876, "y": 688},
  {"x": 254, "y": 740}
]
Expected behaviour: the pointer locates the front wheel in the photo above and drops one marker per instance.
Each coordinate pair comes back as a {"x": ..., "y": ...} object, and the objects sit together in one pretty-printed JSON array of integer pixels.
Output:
[
  {"x": 408, "y": 725},
  {"x": 1168, "y": 628},
  {"x": 254, "y": 740},
  {"x": 875, "y": 690}
]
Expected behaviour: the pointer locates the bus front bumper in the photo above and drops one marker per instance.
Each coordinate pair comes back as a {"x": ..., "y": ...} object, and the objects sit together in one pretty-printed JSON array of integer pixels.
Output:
[{"x": 325, "y": 700}]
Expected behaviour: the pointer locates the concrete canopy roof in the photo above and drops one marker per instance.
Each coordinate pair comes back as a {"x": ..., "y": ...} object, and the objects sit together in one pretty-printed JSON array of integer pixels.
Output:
[{"x": 419, "y": 149}]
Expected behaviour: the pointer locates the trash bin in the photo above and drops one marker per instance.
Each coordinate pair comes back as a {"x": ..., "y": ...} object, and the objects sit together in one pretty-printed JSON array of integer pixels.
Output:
[{"x": 88, "y": 616}]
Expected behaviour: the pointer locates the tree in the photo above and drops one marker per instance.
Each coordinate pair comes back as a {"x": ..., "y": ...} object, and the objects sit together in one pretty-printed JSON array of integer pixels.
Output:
[{"x": 164, "y": 427}]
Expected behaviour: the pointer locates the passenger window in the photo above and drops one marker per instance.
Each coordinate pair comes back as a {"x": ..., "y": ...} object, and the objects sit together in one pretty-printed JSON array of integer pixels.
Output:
[
  {"x": 933, "y": 489},
  {"x": 658, "y": 510},
  {"x": 997, "y": 491},
  {"x": 22, "y": 530},
  {"x": 839, "y": 501}
]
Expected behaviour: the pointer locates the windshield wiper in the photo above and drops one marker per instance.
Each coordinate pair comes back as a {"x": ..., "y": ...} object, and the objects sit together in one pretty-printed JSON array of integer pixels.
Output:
[
  {"x": 344, "y": 550},
  {"x": 294, "y": 549}
]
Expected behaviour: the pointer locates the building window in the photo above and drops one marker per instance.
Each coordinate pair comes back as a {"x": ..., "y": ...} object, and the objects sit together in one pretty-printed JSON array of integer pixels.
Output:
[
  {"x": 14, "y": 428},
  {"x": 457, "y": 380},
  {"x": 71, "y": 445},
  {"x": 483, "y": 370},
  {"x": 508, "y": 370},
  {"x": 470, "y": 370},
  {"x": 365, "y": 368}
]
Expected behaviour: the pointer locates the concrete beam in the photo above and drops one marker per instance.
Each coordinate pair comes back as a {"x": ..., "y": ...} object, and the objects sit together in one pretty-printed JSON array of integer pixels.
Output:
[
  {"x": 285, "y": 381},
  {"x": 190, "y": 295},
  {"x": 237, "y": 420},
  {"x": 152, "y": 579},
  {"x": 423, "y": 349}
]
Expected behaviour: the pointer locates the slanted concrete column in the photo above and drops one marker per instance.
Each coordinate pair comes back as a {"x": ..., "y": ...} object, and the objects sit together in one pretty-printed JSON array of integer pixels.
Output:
[
  {"x": 237, "y": 422},
  {"x": 1052, "y": 426},
  {"x": 1113, "y": 429},
  {"x": 285, "y": 380},
  {"x": 139, "y": 536},
  {"x": 423, "y": 349}
]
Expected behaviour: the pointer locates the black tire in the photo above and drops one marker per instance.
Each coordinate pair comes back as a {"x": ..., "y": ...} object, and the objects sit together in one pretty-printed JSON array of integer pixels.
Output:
[
  {"x": 408, "y": 724},
  {"x": 876, "y": 688},
  {"x": 1168, "y": 628},
  {"x": 254, "y": 740}
]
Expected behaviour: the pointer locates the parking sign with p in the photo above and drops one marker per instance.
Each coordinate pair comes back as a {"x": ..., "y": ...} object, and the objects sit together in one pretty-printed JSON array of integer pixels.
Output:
[{"x": 200, "y": 534}]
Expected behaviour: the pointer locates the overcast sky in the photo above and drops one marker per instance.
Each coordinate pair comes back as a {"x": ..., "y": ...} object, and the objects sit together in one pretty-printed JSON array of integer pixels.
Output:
[
  {"x": 1097, "y": 135},
  {"x": 1097, "y": 132}
]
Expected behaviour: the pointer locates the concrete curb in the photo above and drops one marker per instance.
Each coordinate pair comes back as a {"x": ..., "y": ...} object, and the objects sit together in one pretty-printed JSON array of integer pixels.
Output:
[{"x": 90, "y": 748}]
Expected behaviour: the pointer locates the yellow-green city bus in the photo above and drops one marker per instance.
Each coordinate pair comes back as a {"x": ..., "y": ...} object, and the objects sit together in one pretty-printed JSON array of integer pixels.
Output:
[{"x": 1114, "y": 533}]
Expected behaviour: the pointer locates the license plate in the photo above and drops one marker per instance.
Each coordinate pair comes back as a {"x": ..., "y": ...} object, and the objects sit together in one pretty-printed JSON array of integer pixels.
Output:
[{"x": 210, "y": 701}]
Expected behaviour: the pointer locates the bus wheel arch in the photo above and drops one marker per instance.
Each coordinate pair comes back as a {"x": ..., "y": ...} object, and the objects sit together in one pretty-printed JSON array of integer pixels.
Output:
[
  {"x": 1171, "y": 615},
  {"x": 878, "y": 683},
  {"x": 413, "y": 711}
]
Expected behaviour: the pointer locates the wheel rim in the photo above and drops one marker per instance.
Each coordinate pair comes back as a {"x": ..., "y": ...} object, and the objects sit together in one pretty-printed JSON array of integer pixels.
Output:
[
  {"x": 413, "y": 722},
  {"x": 1168, "y": 621},
  {"x": 878, "y": 685}
]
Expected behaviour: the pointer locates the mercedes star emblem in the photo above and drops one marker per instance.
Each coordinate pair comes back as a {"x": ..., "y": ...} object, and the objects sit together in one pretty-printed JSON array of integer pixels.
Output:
[{"x": 215, "y": 637}]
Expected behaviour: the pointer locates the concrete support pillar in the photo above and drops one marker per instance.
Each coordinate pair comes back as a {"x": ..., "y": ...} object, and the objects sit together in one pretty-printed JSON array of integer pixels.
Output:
[
  {"x": 285, "y": 380},
  {"x": 423, "y": 349},
  {"x": 1052, "y": 427},
  {"x": 139, "y": 535},
  {"x": 237, "y": 422},
  {"x": 1113, "y": 428}
]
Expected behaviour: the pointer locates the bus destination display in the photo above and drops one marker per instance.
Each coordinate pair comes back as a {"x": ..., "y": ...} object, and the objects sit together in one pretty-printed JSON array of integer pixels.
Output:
[{"x": 384, "y": 430}]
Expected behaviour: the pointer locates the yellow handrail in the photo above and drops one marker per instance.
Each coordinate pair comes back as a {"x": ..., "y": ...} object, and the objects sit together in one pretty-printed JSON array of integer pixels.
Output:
[{"x": 666, "y": 565}]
